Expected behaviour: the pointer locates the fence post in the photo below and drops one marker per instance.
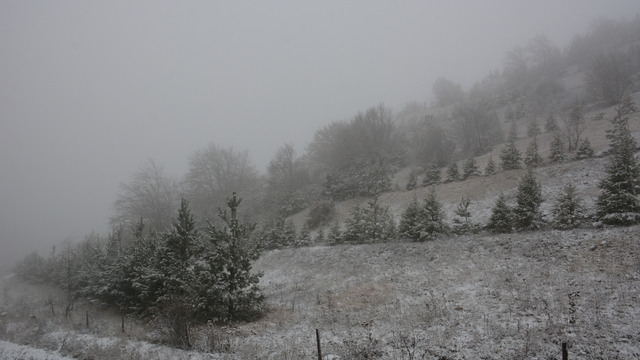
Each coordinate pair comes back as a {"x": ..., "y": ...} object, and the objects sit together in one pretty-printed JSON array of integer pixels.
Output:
[
  {"x": 122, "y": 322},
  {"x": 87, "y": 319},
  {"x": 565, "y": 352},
  {"x": 318, "y": 341}
]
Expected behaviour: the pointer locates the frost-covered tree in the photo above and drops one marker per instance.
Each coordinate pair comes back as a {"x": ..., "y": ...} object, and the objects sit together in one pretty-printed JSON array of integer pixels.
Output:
[
  {"x": 335, "y": 236},
  {"x": 432, "y": 175},
  {"x": 619, "y": 200},
  {"x": 462, "y": 224},
  {"x": 370, "y": 223},
  {"x": 279, "y": 233},
  {"x": 532, "y": 128},
  {"x": 490, "y": 169},
  {"x": 452, "y": 172},
  {"x": 557, "y": 153},
  {"x": 231, "y": 258},
  {"x": 585, "y": 150},
  {"x": 501, "y": 220},
  {"x": 433, "y": 217},
  {"x": 568, "y": 210},
  {"x": 412, "y": 182},
  {"x": 510, "y": 155},
  {"x": 532, "y": 158},
  {"x": 470, "y": 168},
  {"x": 527, "y": 213},
  {"x": 319, "y": 239},
  {"x": 550, "y": 125},
  {"x": 304, "y": 238},
  {"x": 410, "y": 225}
]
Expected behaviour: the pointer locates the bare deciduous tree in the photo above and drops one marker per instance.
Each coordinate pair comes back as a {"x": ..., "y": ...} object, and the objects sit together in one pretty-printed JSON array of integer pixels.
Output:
[
  {"x": 476, "y": 127},
  {"x": 150, "y": 195},
  {"x": 214, "y": 173}
]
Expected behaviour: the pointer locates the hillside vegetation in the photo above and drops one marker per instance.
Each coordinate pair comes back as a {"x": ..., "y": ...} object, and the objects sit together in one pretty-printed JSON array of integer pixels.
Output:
[{"x": 336, "y": 250}]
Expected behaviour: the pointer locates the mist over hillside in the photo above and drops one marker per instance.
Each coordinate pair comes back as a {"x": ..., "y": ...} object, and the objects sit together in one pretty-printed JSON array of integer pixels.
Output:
[{"x": 494, "y": 219}]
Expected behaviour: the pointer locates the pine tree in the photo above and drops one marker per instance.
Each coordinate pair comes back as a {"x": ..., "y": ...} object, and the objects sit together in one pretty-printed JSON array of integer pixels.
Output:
[
  {"x": 452, "y": 172},
  {"x": 290, "y": 234},
  {"x": 463, "y": 226},
  {"x": 433, "y": 217},
  {"x": 319, "y": 239},
  {"x": 557, "y": 150},
  {"x": 532, "y": 128},
  {"x": 409, "y": 226},
  {"x": 370, "y": 223},
  {"x": 585, "y": 150},
  {"x": 432, "y": 175},
  {"x": 335, "y": 235},
  {"x": 509, "y": 114},
  {"x": 527, "y": 213},
  {"x": 619, "y": 202},
  {"x": 510, "y": 155},
  {"x": 180, "y": 244},
  {"x": 411, "y": 182},
  {"x": 237, "y": 295},
  {"x": 568, "y": 211},
  {"x": 304, "y": 238},
  {"x": 490, "y": 169},
  {"x": 551, "y": 125},
  {"x": 532, "y": 158},
  {"x": 501, "y": 220},
  {"x": 470, "y": 168}
]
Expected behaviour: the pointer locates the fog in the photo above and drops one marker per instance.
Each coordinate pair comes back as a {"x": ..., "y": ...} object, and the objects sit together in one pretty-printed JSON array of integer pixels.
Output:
[{"x": 89, "y": 90}]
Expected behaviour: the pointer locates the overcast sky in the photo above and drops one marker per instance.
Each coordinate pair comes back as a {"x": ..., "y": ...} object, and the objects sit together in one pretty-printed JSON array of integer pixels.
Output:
[{"x": 89, "y": 90}]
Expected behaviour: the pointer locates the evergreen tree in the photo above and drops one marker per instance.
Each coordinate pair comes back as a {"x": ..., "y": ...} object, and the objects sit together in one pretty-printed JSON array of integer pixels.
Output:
[
  {"x": 532, "y": 158},
  {"x": 557, "y": 150},
  {"x": 532, "y": 128},
  {"x": 462, "y": 224},
  {"x": 412, "y": 181},
  {"x": 585, "y": 150},
  {"x": 568, "y": 211},
  {"x": 433, "y": 217},
  {"x": 369, "y": 224},
  {"x": 501, "y": 220},
  {"x": 304, "y": 238},
  {"x": 335, "y": 235},
  {"x": 510, "y": 155},
  {"x": 452, "y": 172},
  {"x": 290, "y": 234},
  {"x": 319, "y": 239},
  {"x": 551, "y": 125},
  {"x": 619, "y": 202},
  {"x": 181, "y": 243},
  {"x": 234, "y": 295},
  {"x": 490, "y": 169},
  {"x": 409, "y": 227},
  {"x": 470, "y": 168},
  {"x": 527, "y": 213},
  {"x": 432, "y": 175},
  {"x": 509, "y": 114}
]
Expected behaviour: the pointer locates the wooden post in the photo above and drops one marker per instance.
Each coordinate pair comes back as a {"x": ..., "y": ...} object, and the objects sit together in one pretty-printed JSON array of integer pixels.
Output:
[
  {"x": 122, "y": 322},
  {"x": 87, "y": 318},
  {"x": 318, "y": 341},
  {"x": 565, "y": 352}
]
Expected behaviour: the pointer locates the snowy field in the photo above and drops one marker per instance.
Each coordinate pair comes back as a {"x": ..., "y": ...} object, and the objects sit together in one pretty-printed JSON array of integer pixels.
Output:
[{"x": 471, "y": 297}]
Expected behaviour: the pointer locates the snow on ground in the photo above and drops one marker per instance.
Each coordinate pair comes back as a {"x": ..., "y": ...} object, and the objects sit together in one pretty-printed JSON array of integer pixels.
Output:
[{"x": 10, "y": 351}]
